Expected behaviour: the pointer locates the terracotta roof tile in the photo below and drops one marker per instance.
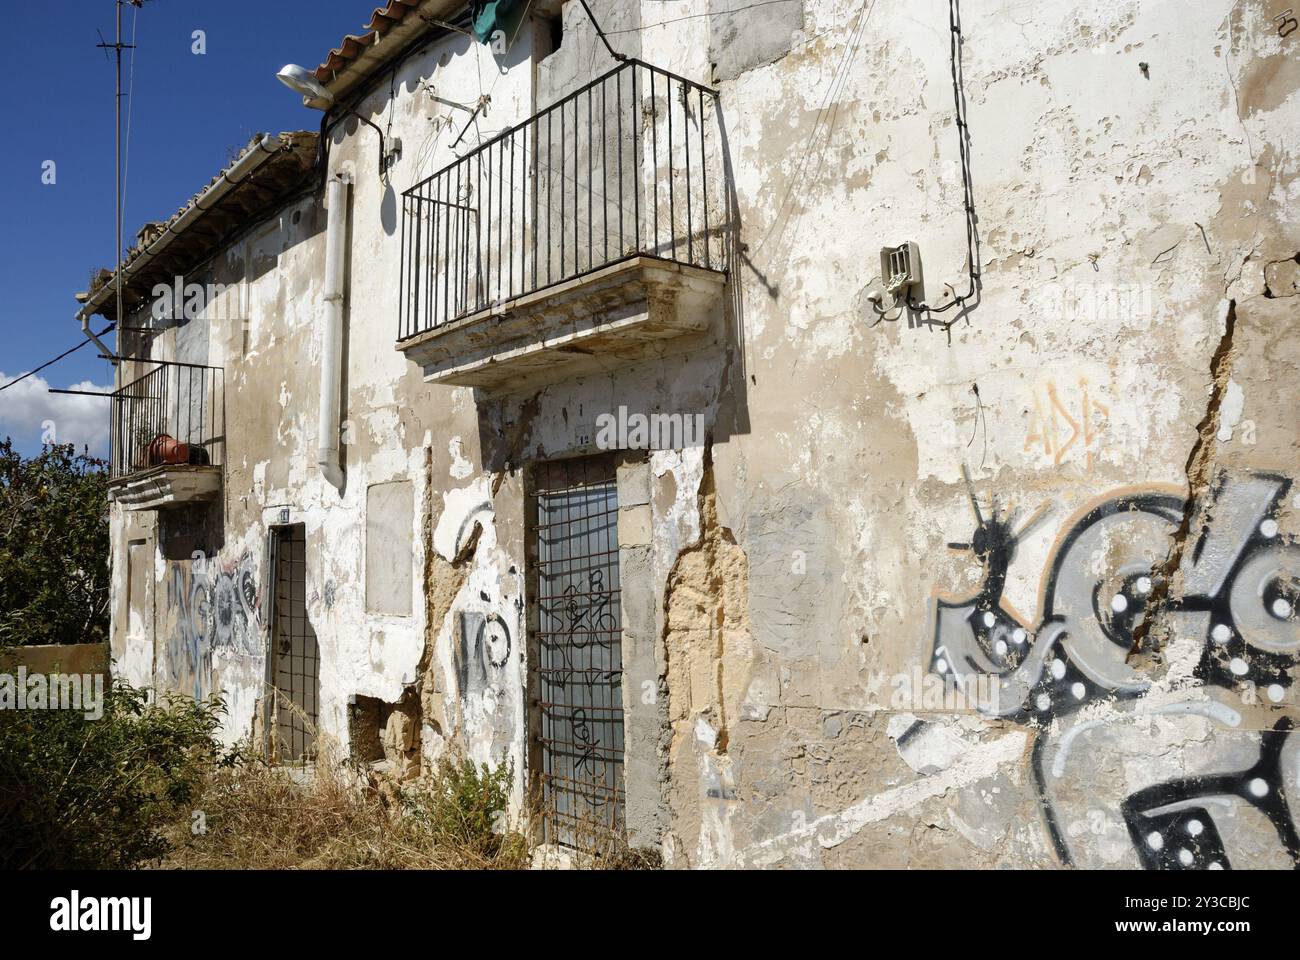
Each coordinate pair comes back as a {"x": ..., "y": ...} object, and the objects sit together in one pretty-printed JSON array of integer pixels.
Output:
[{"x": 352, "y": 46}]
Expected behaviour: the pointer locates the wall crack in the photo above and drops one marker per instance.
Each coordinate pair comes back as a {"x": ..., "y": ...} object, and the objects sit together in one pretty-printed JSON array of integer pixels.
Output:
[{"x": 1198, "y": 470}]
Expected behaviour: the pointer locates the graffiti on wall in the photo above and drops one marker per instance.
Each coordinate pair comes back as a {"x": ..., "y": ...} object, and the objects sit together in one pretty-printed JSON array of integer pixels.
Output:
[
  {"x": 480, "y": 658},
  {"x": 1237, "y": 604},
  {"x": 580, "y": 676},
  {"x": 213, "y": 605},
  {"x": 482, "y": 650},
  {"x": 1066, "y": 428}
]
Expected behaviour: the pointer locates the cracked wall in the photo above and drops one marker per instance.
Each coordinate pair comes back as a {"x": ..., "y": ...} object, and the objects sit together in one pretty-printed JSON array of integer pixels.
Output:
[{"x": 838, "y": 650}]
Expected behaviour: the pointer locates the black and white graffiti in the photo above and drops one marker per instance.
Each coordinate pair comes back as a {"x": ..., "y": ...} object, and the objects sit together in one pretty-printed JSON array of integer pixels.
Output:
[
  {"x": 483, "y": 652},
  {"x": 213, "y": 605},
  {"x": 1179, "y": 807},
  {"x": 484, "y": 648}
]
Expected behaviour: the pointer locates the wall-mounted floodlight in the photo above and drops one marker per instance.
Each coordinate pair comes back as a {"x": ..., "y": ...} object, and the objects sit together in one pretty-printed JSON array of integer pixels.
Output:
[
  {"x": 300, "y": 80},
  {"x": 303, "y": 81}
]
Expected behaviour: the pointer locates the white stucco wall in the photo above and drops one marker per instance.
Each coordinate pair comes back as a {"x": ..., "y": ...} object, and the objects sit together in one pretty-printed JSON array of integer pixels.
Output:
[{"x": 1131, "y": 340}]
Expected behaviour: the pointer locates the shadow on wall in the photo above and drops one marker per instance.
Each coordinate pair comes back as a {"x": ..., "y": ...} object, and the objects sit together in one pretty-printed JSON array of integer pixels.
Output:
[
  {"x": 192, "y": 314},
  {"x": 699, "y": 373}
]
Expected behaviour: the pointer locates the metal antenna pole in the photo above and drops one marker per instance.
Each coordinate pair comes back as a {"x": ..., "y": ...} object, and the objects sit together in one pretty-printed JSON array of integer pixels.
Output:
[
  {"x": 118, "y": 46},
  {"x": 117, "y": 161}
]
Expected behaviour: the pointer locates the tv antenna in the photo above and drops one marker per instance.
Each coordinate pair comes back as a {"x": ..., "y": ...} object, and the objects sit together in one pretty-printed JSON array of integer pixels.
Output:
[{"x": 117, "y": 46}]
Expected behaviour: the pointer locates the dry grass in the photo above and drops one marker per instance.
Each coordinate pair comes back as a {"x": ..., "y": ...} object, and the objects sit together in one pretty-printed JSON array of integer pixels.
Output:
[
  {"x": 336, "y": 816},
  {"x": 259, "y": 817}
]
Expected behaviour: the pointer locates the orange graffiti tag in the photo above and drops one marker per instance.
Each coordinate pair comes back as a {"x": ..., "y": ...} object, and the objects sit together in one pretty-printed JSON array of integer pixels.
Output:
[{"x": 1057, "y": 430}]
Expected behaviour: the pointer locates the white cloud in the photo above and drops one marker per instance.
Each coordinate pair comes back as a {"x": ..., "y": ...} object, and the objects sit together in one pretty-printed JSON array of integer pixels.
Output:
[{"x": 29, "y": 412}]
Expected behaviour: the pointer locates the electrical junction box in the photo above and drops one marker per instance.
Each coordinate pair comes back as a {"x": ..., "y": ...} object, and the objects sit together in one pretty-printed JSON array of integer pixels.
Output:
[{"x": 900, "y": 269}]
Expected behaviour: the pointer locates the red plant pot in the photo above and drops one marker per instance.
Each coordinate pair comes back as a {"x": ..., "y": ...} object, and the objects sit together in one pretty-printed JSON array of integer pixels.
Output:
[{"x": 164, "y": 449}]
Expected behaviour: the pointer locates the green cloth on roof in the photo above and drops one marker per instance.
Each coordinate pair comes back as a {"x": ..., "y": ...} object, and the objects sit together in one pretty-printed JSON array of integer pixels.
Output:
[{"x": 487, "y": 17}]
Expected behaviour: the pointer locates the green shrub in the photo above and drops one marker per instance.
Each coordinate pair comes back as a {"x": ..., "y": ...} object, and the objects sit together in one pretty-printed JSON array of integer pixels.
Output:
[
  {"x": 464, "y": 807},
  {"x": 53, "y": 547},
  {"x": 89, "y": 794}
]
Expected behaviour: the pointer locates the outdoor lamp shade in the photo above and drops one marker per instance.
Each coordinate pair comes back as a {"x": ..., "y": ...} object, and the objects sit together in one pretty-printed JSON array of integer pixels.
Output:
[{"x": 300, "y": 80}]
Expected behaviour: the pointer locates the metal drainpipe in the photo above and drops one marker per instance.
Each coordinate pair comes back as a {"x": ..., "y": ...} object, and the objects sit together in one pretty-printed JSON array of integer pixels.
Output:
[
  {"x": 85, "y": 328},
  {"x": 327, "y": 425}
]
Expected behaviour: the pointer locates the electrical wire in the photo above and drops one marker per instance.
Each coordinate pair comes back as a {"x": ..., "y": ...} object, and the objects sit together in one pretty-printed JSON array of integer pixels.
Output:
[
  {"x": 339, "y": 112},
  {"x": 50, "y": 363},
  {"x": 696, "y": 16},
  {"x": 968, "y": 191},
  {"x": 485, "y": 99},
  {"x": 883, "y": 315},
  {"x": 968, "y": 197},
  {"x": 832, "y": 117},
  {"x": 826, "y": 111},
  {"x": 979, "y": 422}
]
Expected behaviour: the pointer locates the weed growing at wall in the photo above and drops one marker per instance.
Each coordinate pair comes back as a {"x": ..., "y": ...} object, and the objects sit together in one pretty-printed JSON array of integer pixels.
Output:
[
  {"x": 255, "y": 816},
  {"x": 465, "y": 807}
]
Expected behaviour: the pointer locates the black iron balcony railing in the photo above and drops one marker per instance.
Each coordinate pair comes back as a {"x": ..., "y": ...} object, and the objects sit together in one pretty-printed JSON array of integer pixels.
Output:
[
  {"x": 626, "y": 166},
  {"x": 172, "y": 415}
]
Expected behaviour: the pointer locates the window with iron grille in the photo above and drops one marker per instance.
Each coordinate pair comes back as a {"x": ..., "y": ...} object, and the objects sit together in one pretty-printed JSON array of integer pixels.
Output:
[
  {"x": 577, "y": 658},
  {"x": 294, "y": 651}
]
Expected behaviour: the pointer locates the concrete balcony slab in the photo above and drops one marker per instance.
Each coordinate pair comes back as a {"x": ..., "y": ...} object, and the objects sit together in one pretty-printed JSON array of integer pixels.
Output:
[
  {"x": 170, "y": 485},
  {"x": 593, "y": 323}
]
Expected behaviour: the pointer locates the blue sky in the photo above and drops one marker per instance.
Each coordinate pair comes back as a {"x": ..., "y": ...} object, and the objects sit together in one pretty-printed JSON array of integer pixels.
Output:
[{"x": 190, "y": 114}]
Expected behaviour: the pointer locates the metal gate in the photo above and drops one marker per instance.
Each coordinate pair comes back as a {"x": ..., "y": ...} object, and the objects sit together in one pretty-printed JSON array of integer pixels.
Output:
[
  {"x": 577, "y": 649},
  {"x": 295, "y": 656}
]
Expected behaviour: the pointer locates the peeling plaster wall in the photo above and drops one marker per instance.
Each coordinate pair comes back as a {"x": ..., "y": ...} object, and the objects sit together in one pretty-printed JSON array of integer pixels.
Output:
[
  {"x": 837, "y": 652},
  {"x": 1125, "y": 221}
]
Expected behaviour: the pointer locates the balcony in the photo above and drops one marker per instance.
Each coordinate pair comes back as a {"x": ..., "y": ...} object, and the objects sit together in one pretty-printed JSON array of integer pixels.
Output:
[
  {"x": 583, "y": 239},
  {"x": 168, "y": 437}
]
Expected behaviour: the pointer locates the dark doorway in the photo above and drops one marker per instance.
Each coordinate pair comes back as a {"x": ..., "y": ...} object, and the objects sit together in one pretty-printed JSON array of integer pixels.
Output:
[{"x": 294, "y": 655}]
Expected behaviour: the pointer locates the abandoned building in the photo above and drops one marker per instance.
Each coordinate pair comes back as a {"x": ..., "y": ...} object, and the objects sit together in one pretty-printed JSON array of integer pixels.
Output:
[{"x": 805, "y": 433}]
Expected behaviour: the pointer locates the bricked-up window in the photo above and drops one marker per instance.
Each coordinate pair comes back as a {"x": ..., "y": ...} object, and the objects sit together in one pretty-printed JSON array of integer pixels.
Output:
[
  {"x": 139, "y": 568},
  {"x": 576, "y": 647},
  {"x": 295, "y": 656},
  {"x": 390, "y": 518}
]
